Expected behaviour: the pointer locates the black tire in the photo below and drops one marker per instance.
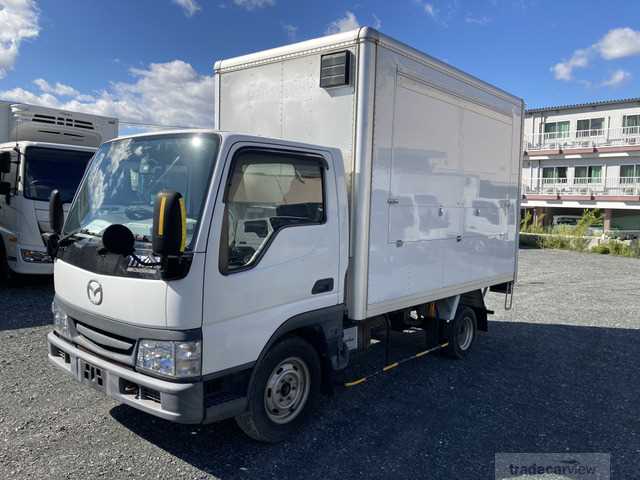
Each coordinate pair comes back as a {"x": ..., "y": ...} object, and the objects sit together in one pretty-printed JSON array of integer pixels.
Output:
[
  {"x": 257, "y": 422},
  {"x": 460, "y": 343},
  {"x": 5, "y": 270}
]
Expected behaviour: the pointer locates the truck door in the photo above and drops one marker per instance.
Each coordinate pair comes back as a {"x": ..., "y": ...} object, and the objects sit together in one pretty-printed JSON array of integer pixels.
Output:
[
  {"x": 273, "y": 251},
  {"x": 8, "y": 215}
]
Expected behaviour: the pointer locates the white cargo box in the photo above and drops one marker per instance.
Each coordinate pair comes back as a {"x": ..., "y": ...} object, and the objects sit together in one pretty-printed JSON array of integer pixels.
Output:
[
  {"x": 21, "y": 122},
  {"x": 432, "y": 157}
]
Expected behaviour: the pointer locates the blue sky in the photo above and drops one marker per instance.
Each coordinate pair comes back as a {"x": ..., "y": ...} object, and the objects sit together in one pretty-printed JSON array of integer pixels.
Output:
[{"x": 150, "y": 61}]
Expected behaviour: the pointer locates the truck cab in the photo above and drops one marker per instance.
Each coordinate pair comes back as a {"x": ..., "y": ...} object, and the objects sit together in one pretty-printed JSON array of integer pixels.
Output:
[
  {"x": 43, "y": 149},
  {"x": 265, "y": 239}
]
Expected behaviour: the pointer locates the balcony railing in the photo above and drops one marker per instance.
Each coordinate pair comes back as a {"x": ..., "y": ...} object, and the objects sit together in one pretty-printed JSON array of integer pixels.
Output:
[
  {"x": 591, "y": 186},
  {"x": 601, "y": 137}
]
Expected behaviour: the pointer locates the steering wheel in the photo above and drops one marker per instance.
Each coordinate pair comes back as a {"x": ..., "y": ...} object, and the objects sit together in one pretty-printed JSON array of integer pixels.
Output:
[{"x": 138, "y": 213}]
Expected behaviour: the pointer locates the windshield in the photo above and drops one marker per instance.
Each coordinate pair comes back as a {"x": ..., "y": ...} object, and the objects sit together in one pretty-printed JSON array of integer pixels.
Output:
[
  {"x": 46, "y": 169},
  {"x": 124, "y": 177}
]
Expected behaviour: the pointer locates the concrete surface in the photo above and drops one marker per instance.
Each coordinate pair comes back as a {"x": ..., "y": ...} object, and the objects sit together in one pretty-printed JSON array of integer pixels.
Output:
[{"x": 560, "y": 372}]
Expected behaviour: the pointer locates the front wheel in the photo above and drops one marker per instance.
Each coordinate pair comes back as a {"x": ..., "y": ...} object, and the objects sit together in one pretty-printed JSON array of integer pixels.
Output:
[
  {"x": 6, "y": 273},
  {"x": 462, "y": 333},
  {"x": 284, "y": 389}
]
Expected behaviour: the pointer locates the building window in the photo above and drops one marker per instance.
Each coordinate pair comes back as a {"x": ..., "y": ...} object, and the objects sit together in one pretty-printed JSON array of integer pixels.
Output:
[
  {"x": 554, "y": 175},
  {"x": 629, "y": 174},
  {"x": 631, "y": 124},
  {"x": 591, "y": 127},
  {"x": 588, "y": 174},
  {"x": 556, "y": 130}
]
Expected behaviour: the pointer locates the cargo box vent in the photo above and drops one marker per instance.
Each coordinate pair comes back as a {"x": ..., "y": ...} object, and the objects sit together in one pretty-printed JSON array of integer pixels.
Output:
[
  {"x": 335, "y": 69},
  {"x": 62, "y": 121}
]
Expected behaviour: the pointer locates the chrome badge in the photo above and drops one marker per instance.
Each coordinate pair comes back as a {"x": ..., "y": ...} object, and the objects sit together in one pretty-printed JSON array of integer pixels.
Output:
[{"x": 94, "y": 292}]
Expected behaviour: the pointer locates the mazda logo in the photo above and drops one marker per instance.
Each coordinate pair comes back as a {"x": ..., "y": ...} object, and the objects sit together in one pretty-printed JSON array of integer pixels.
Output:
[{"x": 94, "y": 292}]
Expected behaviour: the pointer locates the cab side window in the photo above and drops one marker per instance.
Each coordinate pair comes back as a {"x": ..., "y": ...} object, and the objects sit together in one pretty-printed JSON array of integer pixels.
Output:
[
  {"x": 13, "y": 174},
  {"x": 266, "y": 192}
]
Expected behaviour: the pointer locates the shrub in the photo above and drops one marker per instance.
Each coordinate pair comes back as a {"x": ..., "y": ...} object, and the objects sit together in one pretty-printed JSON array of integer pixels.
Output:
[
  {"x": 529, "y": 226},
  {"x": 556, "y": 241},
  {"x": 603, "y": 248},
  {"x": 618, "y": 248},
  {"x": 589, "y": 218},
  {"x": 529, "y": 240},
  {"x": 624, "y": 249}
]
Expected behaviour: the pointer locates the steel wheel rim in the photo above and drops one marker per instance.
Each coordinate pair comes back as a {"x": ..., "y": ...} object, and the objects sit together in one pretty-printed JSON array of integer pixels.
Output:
[
  {"x": 287, "y": 390},
  {"x": 465, "y": 334}
]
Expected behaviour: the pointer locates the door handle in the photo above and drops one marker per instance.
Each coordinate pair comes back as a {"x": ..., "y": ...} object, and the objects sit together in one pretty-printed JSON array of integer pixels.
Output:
[{"x": 322, "y": 286}]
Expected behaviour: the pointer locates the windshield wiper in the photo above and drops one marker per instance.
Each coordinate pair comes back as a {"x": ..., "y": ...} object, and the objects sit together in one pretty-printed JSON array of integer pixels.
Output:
[{"x": 68, "y": 238}]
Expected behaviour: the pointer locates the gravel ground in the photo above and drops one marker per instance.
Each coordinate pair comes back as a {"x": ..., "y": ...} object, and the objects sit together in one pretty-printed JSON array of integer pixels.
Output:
[{"x": 557, "y": 373}]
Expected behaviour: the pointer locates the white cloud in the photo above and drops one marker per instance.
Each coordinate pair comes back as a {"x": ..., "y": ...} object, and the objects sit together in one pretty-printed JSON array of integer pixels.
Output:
[
  {"x": 477, "y": 20},
  {"x": 579, "y": 59},
  {"x": 343, "y": 24},
  {"x": 171, "y": 94},
  {"x": 377, "y": 23},
  {"x": 18, "y": 21},
  {"x": 58, "y": 89},
  {"x": 190, "y": 7},
  {"x": 619, "y": 43},
  {"x": 253, "y": 4},
  {"x": 290, "y": 30},
  {"x": 617, "y": 78},
  {"x": 428, "y": 8}
]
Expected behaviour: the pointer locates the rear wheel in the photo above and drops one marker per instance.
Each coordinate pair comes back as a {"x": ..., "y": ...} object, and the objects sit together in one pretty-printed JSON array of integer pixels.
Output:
[
  {"x": 462, "y": 332},
  {"x": 284, "y": 389}
]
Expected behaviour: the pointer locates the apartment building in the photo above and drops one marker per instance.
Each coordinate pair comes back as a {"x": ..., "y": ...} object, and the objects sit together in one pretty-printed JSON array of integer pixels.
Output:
[{"x": 584, "y": 156}]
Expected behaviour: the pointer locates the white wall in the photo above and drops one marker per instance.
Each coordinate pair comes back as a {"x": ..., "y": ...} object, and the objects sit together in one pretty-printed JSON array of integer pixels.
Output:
[{"x": 613, "y": 115}]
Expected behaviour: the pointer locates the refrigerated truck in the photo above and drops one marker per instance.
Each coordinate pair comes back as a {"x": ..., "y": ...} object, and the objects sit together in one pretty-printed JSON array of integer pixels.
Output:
[
  {"x": 353, "y": 187},
  {"x": 41, "y": 149}
]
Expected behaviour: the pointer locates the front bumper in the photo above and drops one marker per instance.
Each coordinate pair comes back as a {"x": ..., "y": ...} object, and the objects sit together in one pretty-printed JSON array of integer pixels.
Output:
[{"x": 173, "y": 401}]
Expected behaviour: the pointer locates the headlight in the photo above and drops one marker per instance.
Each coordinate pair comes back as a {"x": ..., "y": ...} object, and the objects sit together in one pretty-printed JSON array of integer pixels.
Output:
[
  {"x": 60, "y": 320},
  {"x": 34, "y": 256},
  {"x": 175, "y": 359}
]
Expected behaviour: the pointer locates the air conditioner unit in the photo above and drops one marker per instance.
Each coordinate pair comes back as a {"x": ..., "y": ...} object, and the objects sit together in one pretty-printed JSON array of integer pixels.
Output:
[{"x": 42, "y": 124}]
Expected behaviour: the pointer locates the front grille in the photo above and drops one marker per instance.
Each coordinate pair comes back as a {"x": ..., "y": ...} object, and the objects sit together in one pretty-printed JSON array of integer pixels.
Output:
[
  {"x": 138, "y": 392},
  {"x": 104, "y": 344},
  {"x": 106, "y": 340},
  {"x": 149, "y": 394},
  {"x": 56, "y": 352}
]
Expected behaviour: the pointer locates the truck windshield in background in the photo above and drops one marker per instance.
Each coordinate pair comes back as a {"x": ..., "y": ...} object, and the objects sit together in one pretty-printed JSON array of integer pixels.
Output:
[
  {"x": 125, "y": 176},
  {"x": 49, "y": 168}
]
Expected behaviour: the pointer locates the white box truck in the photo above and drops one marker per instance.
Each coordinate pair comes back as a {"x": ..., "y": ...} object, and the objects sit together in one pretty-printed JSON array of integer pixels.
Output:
[
  {"x": 353, "y": 186},
  {"x": 41, "y": 149}
]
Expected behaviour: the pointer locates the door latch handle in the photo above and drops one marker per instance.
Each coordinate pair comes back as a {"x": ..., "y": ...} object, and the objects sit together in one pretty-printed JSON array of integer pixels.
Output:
[{"x": 322, "y": 286}]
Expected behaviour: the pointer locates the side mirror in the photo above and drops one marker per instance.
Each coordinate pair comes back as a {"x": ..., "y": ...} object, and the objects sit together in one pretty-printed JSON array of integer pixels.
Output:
[
  {"x": 169, "y": 237},
  {"x": 5, "y": 188},
  {"x": 5, "y": 162},
  {"x": 56, "y": 213},
  {"x": 118, "y": 239}
]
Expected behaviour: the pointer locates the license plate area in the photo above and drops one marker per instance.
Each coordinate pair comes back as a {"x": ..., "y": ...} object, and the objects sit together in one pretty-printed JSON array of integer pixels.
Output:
[{"x": 93, "y": 376}]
